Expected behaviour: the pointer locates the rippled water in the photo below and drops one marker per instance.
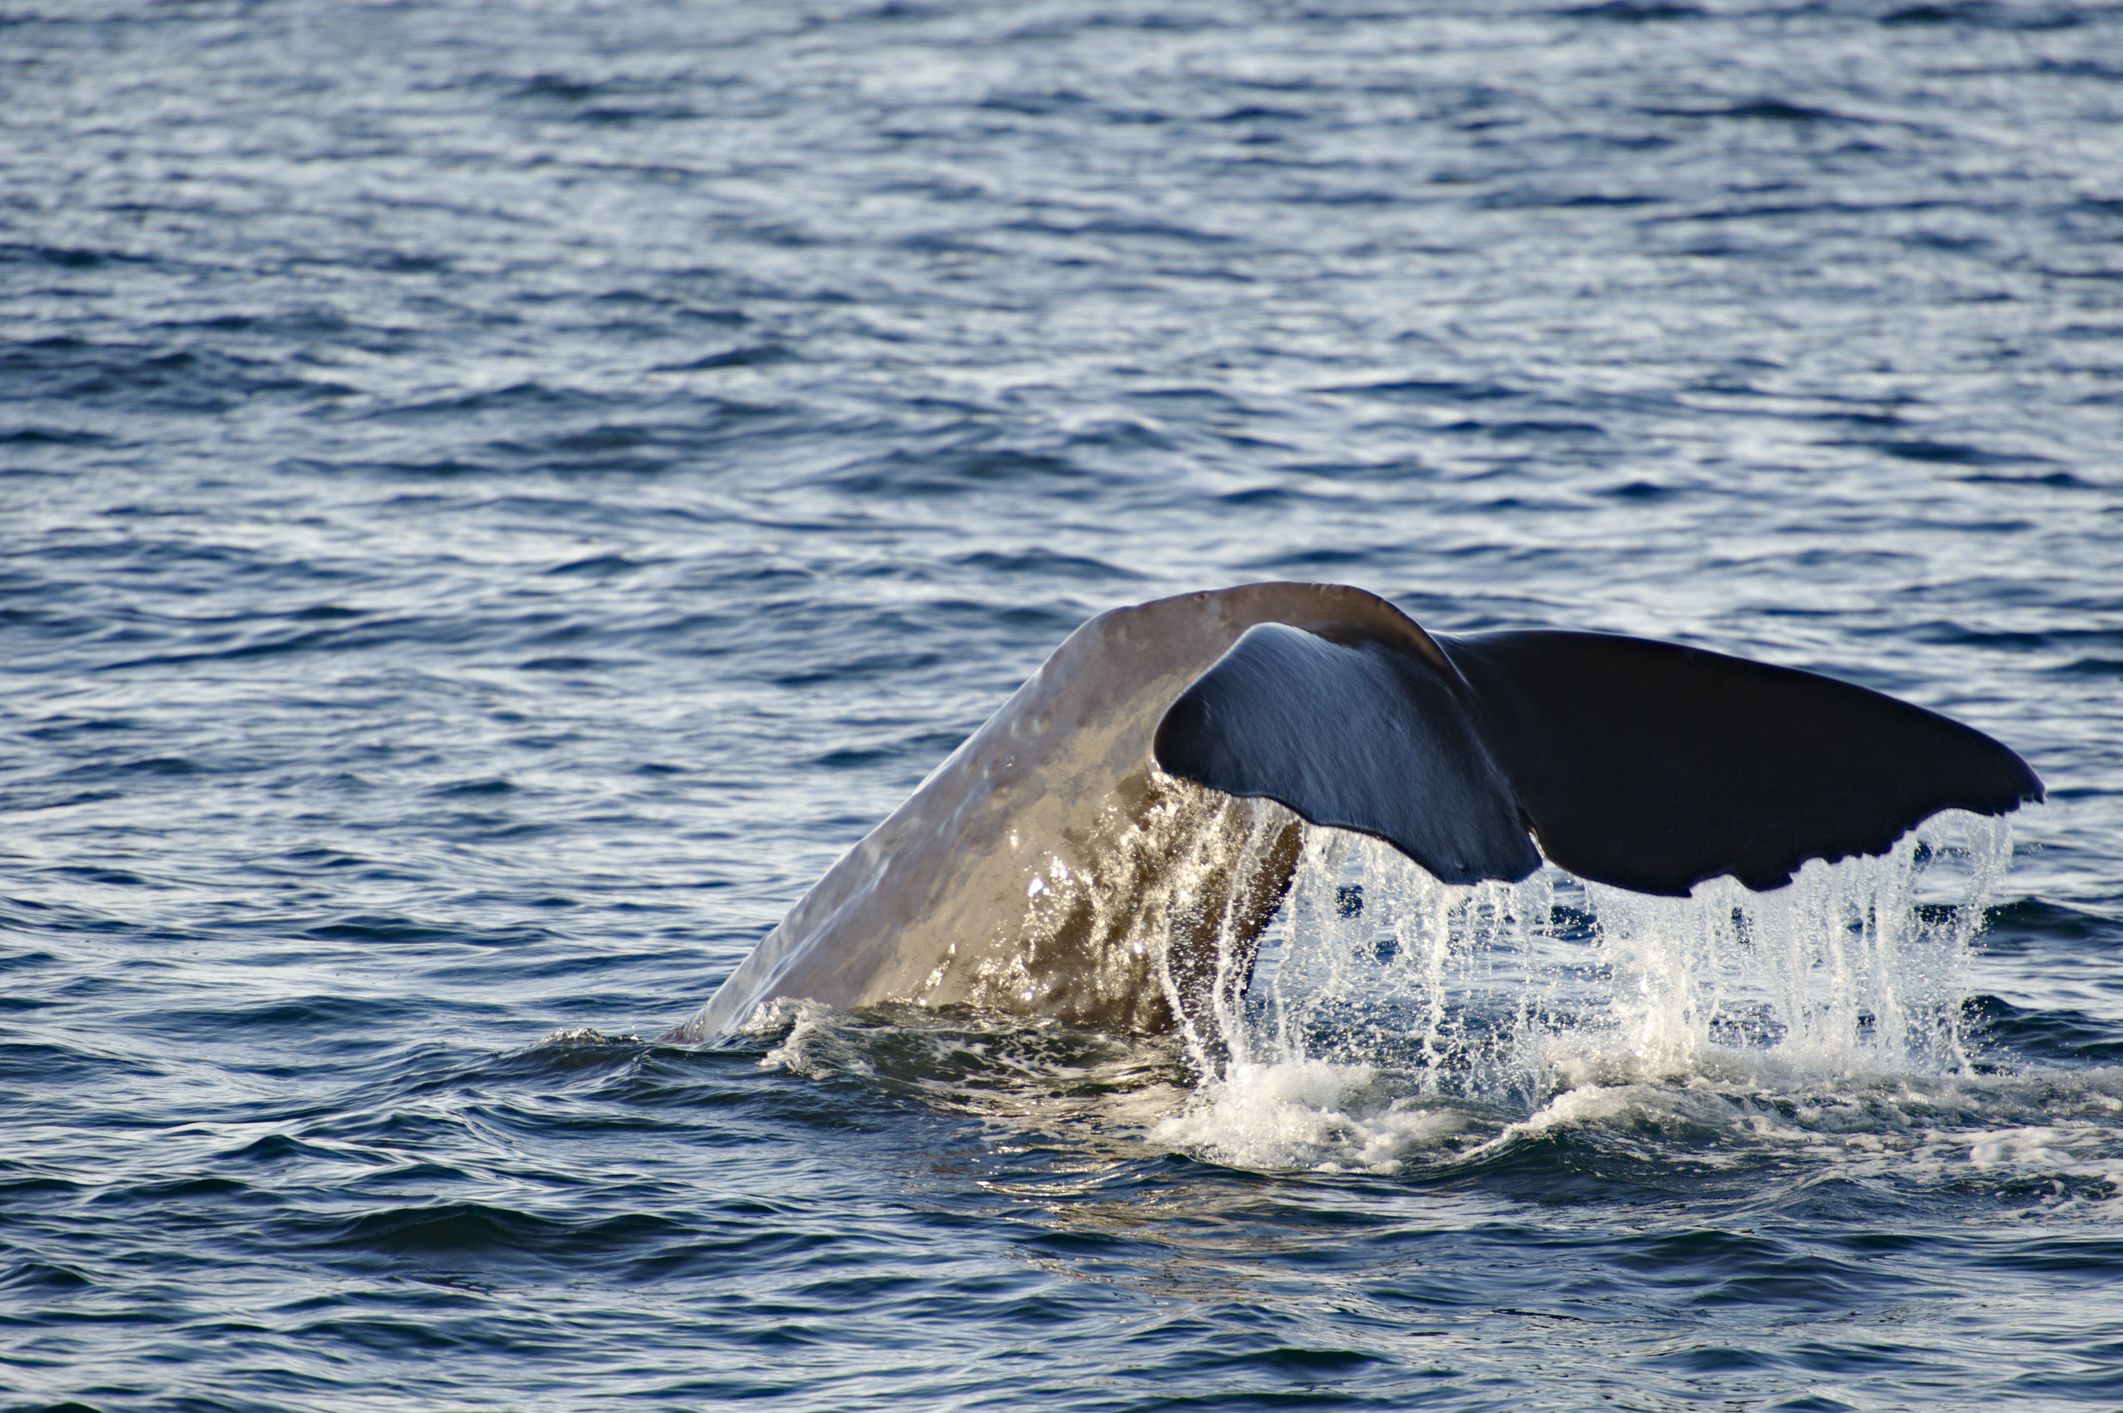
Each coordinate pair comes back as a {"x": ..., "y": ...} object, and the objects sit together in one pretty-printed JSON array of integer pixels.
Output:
[{"x": 496, "y": 495}]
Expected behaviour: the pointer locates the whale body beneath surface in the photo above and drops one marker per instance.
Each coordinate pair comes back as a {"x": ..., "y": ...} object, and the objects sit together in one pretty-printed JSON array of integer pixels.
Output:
[{"x": 1082, "y": 853}]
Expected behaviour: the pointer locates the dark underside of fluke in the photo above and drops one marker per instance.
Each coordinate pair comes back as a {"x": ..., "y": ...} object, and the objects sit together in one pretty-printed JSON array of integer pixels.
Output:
[{"x": 1640, "y": 764}]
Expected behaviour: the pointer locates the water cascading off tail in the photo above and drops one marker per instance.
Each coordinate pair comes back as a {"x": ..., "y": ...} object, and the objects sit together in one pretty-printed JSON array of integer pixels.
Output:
[{"x": 1508, "y": 993}]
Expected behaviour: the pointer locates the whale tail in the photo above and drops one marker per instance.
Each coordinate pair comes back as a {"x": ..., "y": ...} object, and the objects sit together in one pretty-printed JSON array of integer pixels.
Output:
[
  {"x": 1640, "y": 764},
  {"x": 1031, "y": 871}
]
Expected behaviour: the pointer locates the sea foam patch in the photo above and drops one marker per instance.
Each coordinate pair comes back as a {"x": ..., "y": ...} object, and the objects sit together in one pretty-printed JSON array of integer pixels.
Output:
[{"x": 1310, "y": 1114}]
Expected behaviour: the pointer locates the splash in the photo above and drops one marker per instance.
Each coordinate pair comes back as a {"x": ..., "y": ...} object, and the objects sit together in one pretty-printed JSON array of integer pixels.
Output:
[{"x": 1388, "y": 1003}]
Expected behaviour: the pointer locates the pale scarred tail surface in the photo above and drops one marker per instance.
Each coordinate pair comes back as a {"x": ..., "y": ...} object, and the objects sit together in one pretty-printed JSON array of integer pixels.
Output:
[{"x": 1038, "y": 869}]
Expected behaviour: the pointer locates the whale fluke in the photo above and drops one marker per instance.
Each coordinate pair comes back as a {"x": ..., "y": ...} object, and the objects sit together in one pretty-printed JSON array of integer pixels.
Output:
[
  {"x": 1653, "y": 767},
  {"x": 1642, "y": 764},
  {"x": 1083, "y": 852}
]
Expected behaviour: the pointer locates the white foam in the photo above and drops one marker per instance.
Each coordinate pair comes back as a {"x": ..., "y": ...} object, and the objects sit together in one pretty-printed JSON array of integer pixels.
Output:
[
  {"x": 816, "y": 1043},
  {"x": 1307, "y": 1114}
]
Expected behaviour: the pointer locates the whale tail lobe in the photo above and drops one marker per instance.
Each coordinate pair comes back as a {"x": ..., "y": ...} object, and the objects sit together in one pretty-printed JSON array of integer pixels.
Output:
[{"x": 1640, "y": 764}]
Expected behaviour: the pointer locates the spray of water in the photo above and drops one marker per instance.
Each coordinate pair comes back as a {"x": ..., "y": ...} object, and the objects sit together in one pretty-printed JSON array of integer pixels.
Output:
[{"x": 1387, "y": 1006}]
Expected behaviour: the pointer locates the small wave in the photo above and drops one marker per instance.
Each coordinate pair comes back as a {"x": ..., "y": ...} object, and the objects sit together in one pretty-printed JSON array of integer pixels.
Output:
[
  {"x": 1520, "y": 430},
  {"x": 1981, "y": 14},
  {"x": 1045, "y": 563},
  {"x": 515, "y": 399},
  {"x": 33, "y": 1278},
  {"x": 1431, "y": 391},
  {"x": 1774, "y": 110},
  {"x": 753, "y": 356},
  {"x": 1949, "y": 453},
  {"x": 144, "y": 376},
  {"x": 482, "y": 1229},
  {"x": 1636, "y": 11},
  {"x": 956, "y": 473}
]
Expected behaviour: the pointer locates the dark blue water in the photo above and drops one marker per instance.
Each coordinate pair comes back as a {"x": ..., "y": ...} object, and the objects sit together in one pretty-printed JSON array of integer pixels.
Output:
[{"x": 496, "y": 495}]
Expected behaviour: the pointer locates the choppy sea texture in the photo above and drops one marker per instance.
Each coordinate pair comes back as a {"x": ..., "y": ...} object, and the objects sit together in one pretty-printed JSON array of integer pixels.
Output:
[{"x": 495, "y": 496}]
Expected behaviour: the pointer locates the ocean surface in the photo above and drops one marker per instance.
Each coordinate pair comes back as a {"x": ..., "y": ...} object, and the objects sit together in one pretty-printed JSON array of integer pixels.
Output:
[{"x": 497, "y": 495}]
